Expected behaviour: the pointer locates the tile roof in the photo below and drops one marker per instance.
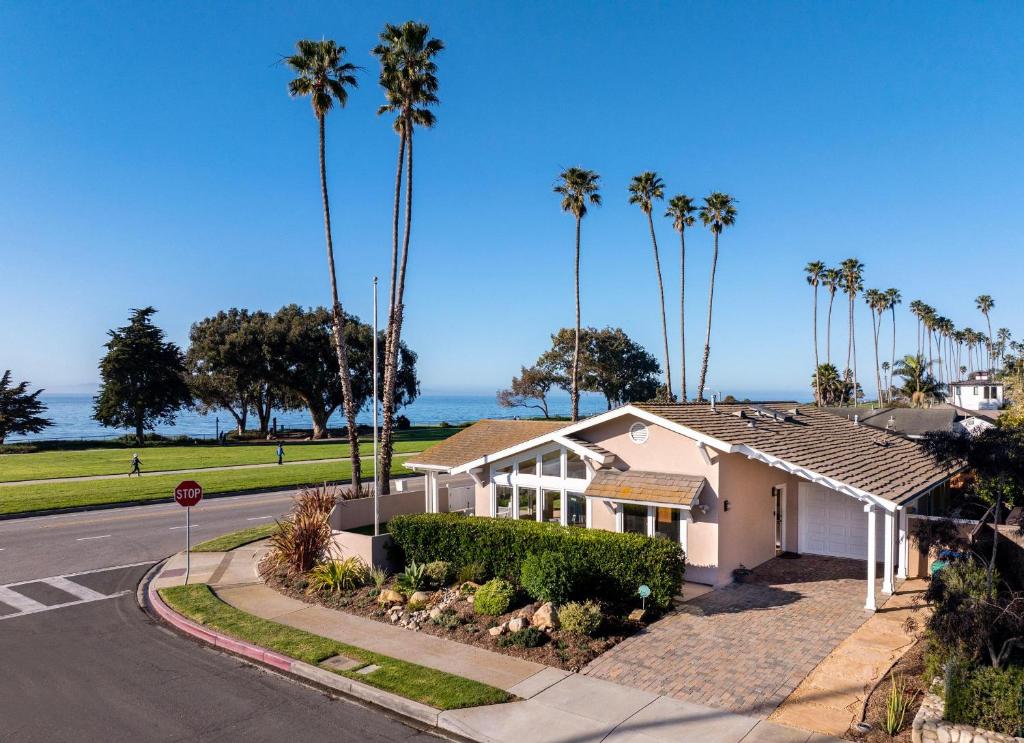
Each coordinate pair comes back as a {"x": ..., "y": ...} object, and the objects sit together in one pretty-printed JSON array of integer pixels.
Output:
[
  {"x": 482, "y": 438},
  {"x": 883, "y": 464},
  {"x": 906, "y": 421},
  {"x": 648, "y": 487}
]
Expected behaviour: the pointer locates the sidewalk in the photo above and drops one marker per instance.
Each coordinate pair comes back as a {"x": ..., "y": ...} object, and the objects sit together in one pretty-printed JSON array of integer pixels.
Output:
[{"x": 556, "y": 706}]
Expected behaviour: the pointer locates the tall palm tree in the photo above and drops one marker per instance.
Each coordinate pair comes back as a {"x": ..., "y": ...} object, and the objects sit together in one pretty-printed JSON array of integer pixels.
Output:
[
  {"x": 643, "y": 190},
  {"x": 832, "y": 278},
  {"x": 1003, "y": 339},
  {"x": 577, "y": 187},
  {"x": 408, "y": 77},
  {"x": 322, "y": 74},
  {"x": 814, "y": 271},
  {"x": 681, "y": 209},
  {"x": 985, "y": 303},
  {"x": 917, "y": 310},
  {"x": 892, "y": 298},
  {"x": 853, "y": 272},
  {"x": 718, "y": 212},
  {"x": 877, "y": 303}
]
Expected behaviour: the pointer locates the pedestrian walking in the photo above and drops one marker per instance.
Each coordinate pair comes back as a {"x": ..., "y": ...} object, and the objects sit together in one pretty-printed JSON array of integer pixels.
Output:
[
  {"x": 280, "y": 453},
  {"x": 136, "y": 465}
]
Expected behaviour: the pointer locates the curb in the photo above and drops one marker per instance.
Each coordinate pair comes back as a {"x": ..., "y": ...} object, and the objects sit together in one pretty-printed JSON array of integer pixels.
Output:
[{"x": 413, "y": 711}]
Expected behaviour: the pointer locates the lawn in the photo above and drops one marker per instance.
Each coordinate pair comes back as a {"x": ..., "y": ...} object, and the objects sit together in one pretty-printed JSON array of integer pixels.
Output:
[
  {"x": 427, "y": 685},
  {"x": 48, "y": 495},
  {"x": 235, "y": 539},
  {"x": 112, "y": 461}
]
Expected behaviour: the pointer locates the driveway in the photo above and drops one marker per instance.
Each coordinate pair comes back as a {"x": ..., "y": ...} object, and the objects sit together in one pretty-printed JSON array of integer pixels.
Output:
[{"x": 745, "y": 647}]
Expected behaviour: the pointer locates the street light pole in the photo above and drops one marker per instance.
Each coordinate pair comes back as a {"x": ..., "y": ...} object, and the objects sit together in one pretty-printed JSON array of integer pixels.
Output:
[{"x": 376, "y": 483}]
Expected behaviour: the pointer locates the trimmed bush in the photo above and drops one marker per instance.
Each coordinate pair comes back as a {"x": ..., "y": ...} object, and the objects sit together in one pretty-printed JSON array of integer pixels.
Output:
[
  {"x": 494, "y": 597},
  {"x": 580, "y": 618},
  {"x": 439, "y": 573},
  {"x": 527, "y": 637},
  {"x": 548, "y": 576},
  {"x": 474, "y": 572},
  {"x": 990, "y": 698},
  {"x": 612, "y": 566}
]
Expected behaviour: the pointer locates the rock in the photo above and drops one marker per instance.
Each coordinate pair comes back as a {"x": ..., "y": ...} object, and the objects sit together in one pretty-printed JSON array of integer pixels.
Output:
[
  {"x": 514, "y": 625},
  {"x": 390, "y": 596},
  {"x": 435, "y": 612},
  {"x": 420, "y": 597},
  {"x": 469, "y": 600},
  {"x": 545, "y": 617},
  {"x": 637, "y": 615},
  {"x": 499, "y": 630}
]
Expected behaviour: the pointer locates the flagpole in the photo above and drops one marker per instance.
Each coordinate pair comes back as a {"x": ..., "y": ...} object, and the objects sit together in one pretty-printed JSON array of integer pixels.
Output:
[{"x": 376, "y": 483}]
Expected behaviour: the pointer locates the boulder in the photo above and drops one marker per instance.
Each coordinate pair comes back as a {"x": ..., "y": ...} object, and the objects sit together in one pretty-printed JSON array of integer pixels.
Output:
[
  {"x": 514, "y": 625},
  {"x": 545, "y": 617},
  {"x": 499, "y": 630},
  {"x": 637, "y": 615},
  {"x": 435, "y": 612},
  {"x": 390, "y": 596},
  {"x": 420, "y": 597}
]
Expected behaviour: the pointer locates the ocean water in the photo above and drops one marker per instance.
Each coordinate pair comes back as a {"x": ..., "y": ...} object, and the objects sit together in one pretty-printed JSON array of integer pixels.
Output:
[{"x": 72, "y": 414}]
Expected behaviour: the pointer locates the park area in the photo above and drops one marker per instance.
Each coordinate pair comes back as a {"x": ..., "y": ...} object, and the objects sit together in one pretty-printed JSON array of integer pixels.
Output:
[{"x": 72, "y": 476}]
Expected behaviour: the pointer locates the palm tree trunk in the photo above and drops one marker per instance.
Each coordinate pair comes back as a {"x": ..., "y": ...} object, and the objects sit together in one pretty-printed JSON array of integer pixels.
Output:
[
  {"x": 876, "y": 326},
  {"x": 682, "y": 309},
  {"x": 338, "y": 319},
  {"x": 828, "y": 328},
  {"x": 394, "y": 224},
  {"x": 989, "y": 344},
  {"x": 817, "y": 375},
  {"x": 892, "y": 364},
  {"x": 394, "y": 335},
  {"x": 664, "y": 321},
  {"x": 707, "y": 337},
  {"x": 575, "y": 392}
]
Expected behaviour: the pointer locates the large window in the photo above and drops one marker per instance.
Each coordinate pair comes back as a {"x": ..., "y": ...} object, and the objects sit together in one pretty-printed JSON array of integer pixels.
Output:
[
  {"x": 503, "y": 498},
  {"x": 528, "y": 503},
  {"x": 666, "y": 523},
  {"x": 634, "y": 518},
  {"x": 551, "y": 464},
  {"x": 577, "y": 505},
  {"x": 552, "y": 506},
  {"x": 574, "y": 466},
  {"x": 528, "y": 466}
]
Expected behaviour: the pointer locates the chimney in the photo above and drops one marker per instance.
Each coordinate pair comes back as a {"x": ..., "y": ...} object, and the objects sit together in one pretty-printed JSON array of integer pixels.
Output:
[
  {"x": 713, "y": 408},
  {"x": 856, "y": 419}
]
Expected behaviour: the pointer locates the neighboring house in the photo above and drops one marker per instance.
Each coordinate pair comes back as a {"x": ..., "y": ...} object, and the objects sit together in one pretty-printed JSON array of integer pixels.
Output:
[
  {"x": 735, "y": 484},
  {"x": 913, "y": 423},
  {"x": 980, "y": 391}
]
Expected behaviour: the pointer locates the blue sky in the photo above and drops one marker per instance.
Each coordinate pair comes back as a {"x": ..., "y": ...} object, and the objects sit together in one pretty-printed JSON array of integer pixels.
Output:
[{"x": 152, "y": 156}]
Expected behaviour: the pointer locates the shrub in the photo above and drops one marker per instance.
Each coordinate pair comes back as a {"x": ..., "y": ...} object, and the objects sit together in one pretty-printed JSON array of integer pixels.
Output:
[
  {"x": 897, "y": 702},
  {"x": 580, "y": 618},
  {"x": 991, "y": 698},
  {"x": 412, "y": 579},
  {"x": 611, "y": 565},
  {"x": 448, "y": 619},
  {"x": 494, "y": 597},
  {"x": 439, "y": 573},
  {"x": 416, "y": 606},
  {"x": 335, "y": 576},
  {"x": 402, "y": 423},
  {"x": 301, "y": 541},
  {"x": 527, "y": 637},
  {"x": 548, "y": 576},
  {"x": 474, "y": 572},
  {"x": 379, "y": 576},
  {"x": 315, "y": 500}
]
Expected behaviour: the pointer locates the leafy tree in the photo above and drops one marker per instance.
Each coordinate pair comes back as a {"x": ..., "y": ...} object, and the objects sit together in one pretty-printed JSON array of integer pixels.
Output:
[
  {"x": 20, "y": 409},
  {"x": 814, "y": 272},
  {"x": 577, "y": 186},
  {"x": 408, "y": 77},
  {"x": 681, "y": 210},
  {"x": 529, "y": 390},
  {"x": 832, "y": 388},
  {"x": 322, "y": 75},
  {"x": 142, "y": 377},
  {"x": 718, "y": 212},
  {"x": 644, "y": 189}
]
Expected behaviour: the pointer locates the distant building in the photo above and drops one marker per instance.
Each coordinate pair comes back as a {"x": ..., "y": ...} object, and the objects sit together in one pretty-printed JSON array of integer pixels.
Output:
[
  {"x": 913, "y": 423},
  {"x": 980, "y": 391}
]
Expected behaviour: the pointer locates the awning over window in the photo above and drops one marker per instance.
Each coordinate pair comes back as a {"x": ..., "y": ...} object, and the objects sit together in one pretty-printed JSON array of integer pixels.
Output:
[{"x": 637, "y": 486}]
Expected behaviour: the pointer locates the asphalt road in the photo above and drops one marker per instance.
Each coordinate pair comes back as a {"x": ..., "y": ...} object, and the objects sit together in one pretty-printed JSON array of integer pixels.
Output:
[{"x": 84, "y": 663}]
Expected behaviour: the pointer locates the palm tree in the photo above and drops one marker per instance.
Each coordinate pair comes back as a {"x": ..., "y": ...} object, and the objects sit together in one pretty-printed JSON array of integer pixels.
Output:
[
  {"x": 852, "y": 277},
  {"x": 1003, "y": 339},
  {"x": 643, "y": 190},
  {"x": 814, "y": 271},
  {"x": 892, "y": 298},
  {"x": 324, "y": 76},
  {"x": 408, "y": 77},
  {"x": 919, "y": 385},
  {"x": 829, "y": 386},
  {"x": 681, "y": 209},
  {"x": 985, "y": 303},
  {"x": 917, "y": 310},
  {"x": 832, "y": 279},
  {"x": 876, "y": 302},
  {"x": 718, "y": 212},
  {"x": 577, "y": 186}
]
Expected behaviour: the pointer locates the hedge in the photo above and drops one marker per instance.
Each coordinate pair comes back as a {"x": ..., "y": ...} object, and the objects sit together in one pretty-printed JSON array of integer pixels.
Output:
[
  {"x": 986, "y": 697},
  {"x": 610, "y": 566}
]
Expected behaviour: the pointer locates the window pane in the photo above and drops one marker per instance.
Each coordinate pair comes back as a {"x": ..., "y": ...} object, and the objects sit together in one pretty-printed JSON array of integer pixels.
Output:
[
  {"x": 574, "y": 466},
  {"x": 552, "y": 506},
  {"x": 577, "y": 505},
  {"x": 528, "y": 503},
  {"x": 506, "y": 470},
  {"x": 551, "y": 464},
  {"x": 634, "y": 518},
  {"x": 666, "y": 523},
  {"x": 504, "y": 498},
  {"x": 528, "y": 466}
]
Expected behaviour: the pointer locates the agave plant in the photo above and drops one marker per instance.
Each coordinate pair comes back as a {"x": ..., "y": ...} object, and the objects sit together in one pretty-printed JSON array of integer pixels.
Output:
[
  {"x": 335, "y": 576},
  {"x": 412, "y": 579},
  {"x": 897, "y": 703}
]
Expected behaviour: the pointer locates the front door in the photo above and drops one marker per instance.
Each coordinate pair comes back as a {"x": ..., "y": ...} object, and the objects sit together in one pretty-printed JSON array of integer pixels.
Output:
[{"x": 779, "y": 514}]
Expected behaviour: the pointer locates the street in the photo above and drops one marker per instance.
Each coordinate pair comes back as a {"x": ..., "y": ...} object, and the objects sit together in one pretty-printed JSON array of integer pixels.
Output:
[{"x": 86, "y": 664}]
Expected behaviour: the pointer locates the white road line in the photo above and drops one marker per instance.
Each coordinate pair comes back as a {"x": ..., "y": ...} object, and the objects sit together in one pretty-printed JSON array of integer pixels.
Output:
[
  {"x": 22, "y": 603},
  {"x": 258, "y": 518},
  {"x": 75, "y": 589},
  {"x": 182, "y": 527},
  {"x": 56, "y": 606},
  {"x": 83, "y": 539},
  {"x": 84, "y": 572}
]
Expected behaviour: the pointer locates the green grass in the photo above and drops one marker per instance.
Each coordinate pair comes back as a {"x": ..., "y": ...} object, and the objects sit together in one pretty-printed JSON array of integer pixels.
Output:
[
  {"x": 45, "y": 496},
  {"x": 427, "y": 685},
  {"x": 235, "y": 539},
  {"x": 47, "y": 465},
  {"x": 368, "y": 529}
]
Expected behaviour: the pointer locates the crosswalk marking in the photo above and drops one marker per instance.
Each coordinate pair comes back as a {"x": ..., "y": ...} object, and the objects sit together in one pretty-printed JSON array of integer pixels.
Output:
[
  {"x": 75, "y": 589},
  {"x": 22, "y": 603},
  {"x": 10, "y": 595}
]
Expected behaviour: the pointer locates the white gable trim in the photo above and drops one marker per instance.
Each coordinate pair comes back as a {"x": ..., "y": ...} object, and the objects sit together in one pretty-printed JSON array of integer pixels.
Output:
[{"x": 583, "y": 451}]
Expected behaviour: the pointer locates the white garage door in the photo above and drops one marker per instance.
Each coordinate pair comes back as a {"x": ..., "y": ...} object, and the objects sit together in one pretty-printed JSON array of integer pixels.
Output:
[{"x": 835, "y": 524}]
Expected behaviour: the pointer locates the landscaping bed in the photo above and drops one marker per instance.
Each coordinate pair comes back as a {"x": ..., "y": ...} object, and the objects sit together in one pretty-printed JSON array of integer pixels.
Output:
[{"x": 911, "y": 669}]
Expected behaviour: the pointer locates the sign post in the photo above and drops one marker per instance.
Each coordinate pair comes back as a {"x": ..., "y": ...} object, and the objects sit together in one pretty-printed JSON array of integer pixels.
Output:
[{"x": 188, "y": 494}]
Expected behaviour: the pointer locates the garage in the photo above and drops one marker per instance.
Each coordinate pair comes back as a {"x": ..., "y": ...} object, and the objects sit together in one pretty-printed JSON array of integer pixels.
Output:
[{"x": 835, "y": 524}]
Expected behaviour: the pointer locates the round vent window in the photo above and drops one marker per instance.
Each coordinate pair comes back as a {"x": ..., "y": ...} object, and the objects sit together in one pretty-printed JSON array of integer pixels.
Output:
[{"x": 638, "y": 433}]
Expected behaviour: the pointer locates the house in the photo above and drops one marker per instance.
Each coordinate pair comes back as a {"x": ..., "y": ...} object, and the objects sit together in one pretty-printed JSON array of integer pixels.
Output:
[
  {"x": 735, "y": 484},
  {"x": 980, "y": 391},
  {"x": 913, "y": 423}
]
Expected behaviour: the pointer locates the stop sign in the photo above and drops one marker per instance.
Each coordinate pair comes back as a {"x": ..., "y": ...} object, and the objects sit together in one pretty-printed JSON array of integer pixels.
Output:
[{"x": 188, "y": 493}]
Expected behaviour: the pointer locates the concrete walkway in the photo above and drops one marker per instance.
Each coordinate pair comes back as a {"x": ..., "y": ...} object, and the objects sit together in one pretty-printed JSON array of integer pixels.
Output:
[{"x": 832, "y": 697}]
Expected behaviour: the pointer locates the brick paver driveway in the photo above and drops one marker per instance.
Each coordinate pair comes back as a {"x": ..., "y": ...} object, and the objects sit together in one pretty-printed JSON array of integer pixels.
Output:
[{"x": 745, "y": 647}]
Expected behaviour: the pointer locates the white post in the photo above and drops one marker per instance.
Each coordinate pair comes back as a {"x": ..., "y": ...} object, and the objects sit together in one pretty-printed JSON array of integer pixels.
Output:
[
  {"x": 869, "y": 605},
  {"x": 376, "y": 478},
  {"x": 684, "y": 524},
  {"x": 426, "y": 492},
  {"x": 888, "y": 583},
  {"x": 904, "y": 545},
  {"x": 434, "y": 500},
  {"x": 188, "y": 543}
]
